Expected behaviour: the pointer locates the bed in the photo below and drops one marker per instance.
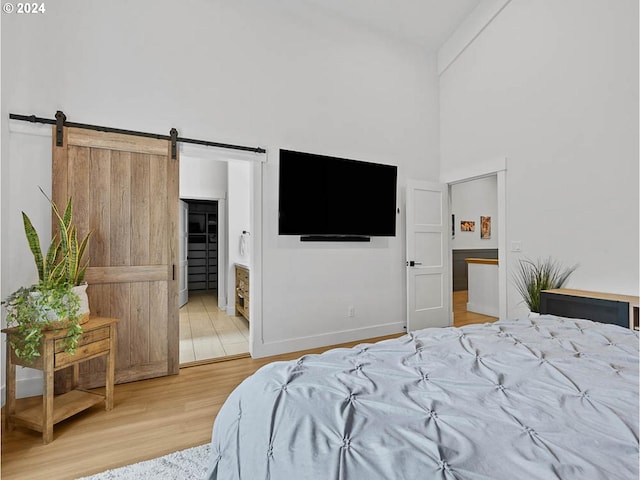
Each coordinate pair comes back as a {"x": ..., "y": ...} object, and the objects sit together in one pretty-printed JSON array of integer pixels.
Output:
[{"x": 545, "y": 398}]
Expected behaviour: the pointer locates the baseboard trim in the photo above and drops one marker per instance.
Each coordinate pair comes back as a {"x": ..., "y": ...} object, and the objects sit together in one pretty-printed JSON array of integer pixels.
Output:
[
  {"x": 268, "y": 349},
  {"x": 25, "y": 387}
]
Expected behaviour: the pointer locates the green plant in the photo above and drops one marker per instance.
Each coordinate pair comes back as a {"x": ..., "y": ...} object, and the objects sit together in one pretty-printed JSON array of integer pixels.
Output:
[
  {"x": 531, "y": 277},
  {"x": 40, "y": 307},
  {"x": 63, "y": 261},
  {"x": 51, "y": 303}
]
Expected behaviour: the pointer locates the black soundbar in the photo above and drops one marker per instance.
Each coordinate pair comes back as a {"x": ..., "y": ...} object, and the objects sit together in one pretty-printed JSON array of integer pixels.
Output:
[{"x": 334, "y": 238}]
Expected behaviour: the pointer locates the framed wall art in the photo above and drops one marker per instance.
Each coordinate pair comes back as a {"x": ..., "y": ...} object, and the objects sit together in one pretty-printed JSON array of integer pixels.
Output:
[
  {"x": 485, "y": 227},
  {"x": 467, "y": 226}
]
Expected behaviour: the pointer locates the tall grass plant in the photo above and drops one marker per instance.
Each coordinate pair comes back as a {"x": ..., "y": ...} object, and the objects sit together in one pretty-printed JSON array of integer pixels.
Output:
[{"x": 533, "y": 276}]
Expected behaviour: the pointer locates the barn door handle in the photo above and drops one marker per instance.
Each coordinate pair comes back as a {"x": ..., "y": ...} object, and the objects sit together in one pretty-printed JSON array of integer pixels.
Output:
[{"x": 173, "y": 271}]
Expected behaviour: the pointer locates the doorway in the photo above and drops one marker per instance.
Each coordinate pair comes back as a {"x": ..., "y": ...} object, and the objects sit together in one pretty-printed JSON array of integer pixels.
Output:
[
  {"x": 218, "y": 196},
  {"x": 496, "y": 170},
  {"x": 474, "y": 250},
  {"x": 207, "y": 332}
]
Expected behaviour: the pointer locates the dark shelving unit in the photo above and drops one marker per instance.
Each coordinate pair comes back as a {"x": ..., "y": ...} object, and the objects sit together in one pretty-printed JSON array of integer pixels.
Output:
[{"x": 203, "y": 246}]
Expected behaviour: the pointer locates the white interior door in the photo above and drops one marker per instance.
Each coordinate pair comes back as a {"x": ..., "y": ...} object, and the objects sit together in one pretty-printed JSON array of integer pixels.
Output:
[
  {"x": 428, "y": 289},
  {"x": 183, "y": 289}
]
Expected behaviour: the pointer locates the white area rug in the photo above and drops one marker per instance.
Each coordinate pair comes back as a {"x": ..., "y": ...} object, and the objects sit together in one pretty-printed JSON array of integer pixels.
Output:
[{"x": 189, "y": 464}]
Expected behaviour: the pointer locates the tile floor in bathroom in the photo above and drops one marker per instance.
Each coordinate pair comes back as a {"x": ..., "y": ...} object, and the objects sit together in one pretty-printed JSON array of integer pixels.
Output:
[{"x": 207, "y": 332}]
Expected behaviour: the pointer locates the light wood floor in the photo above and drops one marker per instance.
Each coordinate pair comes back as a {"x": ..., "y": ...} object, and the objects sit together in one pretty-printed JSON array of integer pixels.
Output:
[
  {"x": 150, "y": 418},
  {"x": 460, "y": 314},
  {"x": 206, "y": 332}
]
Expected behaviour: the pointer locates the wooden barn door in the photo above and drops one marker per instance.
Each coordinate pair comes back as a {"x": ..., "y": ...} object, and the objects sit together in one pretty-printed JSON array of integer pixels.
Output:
[{"x": 125, "y": 189}]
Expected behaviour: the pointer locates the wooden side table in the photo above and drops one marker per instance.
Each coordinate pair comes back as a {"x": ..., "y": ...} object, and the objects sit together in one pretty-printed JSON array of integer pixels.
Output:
[{"x": 97, "y": 339}]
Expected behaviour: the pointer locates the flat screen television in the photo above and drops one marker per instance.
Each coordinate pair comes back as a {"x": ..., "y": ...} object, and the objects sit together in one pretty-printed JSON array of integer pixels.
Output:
[{"x": 330, "y": 198}]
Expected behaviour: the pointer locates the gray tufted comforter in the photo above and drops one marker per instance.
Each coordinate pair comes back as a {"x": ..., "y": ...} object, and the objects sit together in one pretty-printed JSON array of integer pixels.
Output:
[{"x": 549, "y": 398}]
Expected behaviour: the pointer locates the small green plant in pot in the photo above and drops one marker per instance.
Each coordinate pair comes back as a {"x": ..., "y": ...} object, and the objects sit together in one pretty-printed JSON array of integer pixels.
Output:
[
  {"x": 42, "y": 307},
  {"x": 532, "y": 277},
  {"x": 58, "y": 300}
]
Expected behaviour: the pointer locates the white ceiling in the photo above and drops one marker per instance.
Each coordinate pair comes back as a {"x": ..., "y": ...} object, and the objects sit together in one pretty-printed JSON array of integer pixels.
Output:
[{"x": 426, "y": 23}]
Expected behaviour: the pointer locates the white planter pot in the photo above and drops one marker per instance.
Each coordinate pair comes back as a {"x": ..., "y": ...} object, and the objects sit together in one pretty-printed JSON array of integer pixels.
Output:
[{"x": 81, "y": 291}]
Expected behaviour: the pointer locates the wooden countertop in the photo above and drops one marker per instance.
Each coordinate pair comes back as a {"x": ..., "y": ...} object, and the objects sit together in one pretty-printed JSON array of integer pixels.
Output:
[
  {"x": 483, "y": 261},
  {"x": 630, "y": 299}
]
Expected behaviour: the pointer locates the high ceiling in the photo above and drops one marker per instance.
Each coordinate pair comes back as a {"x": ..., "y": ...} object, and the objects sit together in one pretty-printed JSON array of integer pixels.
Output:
[{"x": 426, "y": 23}]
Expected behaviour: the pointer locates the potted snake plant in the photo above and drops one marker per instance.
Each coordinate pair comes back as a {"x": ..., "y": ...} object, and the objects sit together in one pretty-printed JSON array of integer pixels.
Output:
[{"x": 59, "y": 299}]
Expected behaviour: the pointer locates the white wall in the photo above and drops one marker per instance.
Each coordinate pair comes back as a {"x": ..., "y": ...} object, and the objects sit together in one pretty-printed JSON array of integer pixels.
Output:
[
  {"x": 202, "y": 178},
  {"x": 21, "y": 179},
  {"x": 239, "y": 220},
  {"x": 553, "y": 85},
  {"x": 248, "y": 72},
  {"x": 469, "y": 201}
]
